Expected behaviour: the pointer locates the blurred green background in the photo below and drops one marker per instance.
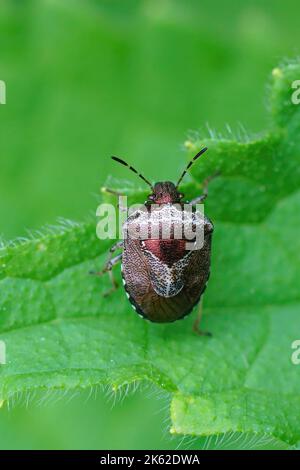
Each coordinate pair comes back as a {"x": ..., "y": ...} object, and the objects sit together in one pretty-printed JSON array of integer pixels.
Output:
[{"x": 86, "y": 79}]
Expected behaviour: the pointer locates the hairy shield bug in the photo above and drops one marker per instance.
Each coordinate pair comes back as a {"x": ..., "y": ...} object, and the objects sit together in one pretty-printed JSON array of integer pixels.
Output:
[{"x": 164, "y": 277}]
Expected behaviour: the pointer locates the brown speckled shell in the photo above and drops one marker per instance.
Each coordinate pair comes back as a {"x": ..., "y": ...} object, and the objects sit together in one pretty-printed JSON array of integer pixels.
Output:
[{"x": 136, "y": 273}]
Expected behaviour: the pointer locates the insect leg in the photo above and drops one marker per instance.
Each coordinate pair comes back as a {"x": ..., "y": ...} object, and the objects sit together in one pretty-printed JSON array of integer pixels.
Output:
[
  {"x": 116, "y": 246},
  {"x": 196, "y": 324},
  {"x": 108, "y": 268},
  {"x": 114, "y": 283},
  {"x": 199, "y": 199},
  {"x": 110, "y": 263},
  {"x": 104, "y": 189},
  {"x": 116, "y": 193}
]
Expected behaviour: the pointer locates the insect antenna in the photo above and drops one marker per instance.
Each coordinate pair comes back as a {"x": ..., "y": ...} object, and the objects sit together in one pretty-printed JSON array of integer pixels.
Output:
[
  {"x": 119, "y": 160},
  {"x": 190, "y": 164}
]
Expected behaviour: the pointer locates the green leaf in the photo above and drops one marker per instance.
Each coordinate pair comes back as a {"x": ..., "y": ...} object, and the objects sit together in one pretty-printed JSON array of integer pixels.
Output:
[{"x": 60, "y": 332}]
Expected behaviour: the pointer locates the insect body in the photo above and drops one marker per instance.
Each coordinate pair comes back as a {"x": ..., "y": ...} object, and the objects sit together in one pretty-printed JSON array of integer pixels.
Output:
[{"x": 164, "y": 277}]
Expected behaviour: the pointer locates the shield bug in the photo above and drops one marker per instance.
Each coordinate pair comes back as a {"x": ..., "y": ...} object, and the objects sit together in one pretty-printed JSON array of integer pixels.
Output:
[{"x": 164, "y": 279}]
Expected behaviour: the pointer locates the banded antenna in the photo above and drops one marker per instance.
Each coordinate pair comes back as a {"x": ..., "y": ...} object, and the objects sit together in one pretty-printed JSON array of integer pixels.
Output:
[
  {"x": 190, "y": 164},
  {"x": 119, "y": 160}
]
